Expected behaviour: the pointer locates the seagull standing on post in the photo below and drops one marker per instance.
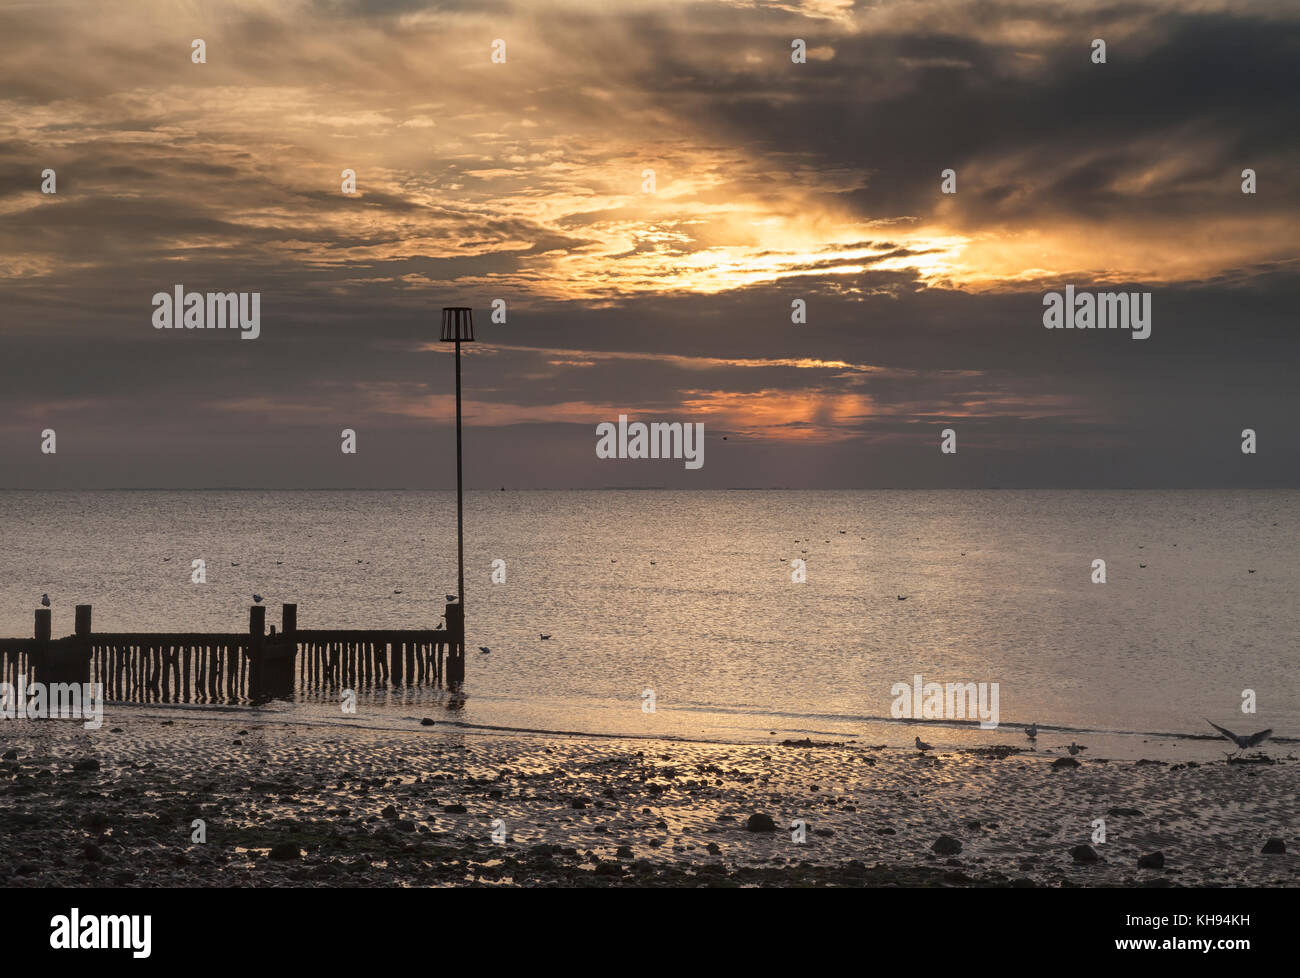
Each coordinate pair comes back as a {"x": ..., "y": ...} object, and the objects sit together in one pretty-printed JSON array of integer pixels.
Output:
[{"x": 45, "y": 600}]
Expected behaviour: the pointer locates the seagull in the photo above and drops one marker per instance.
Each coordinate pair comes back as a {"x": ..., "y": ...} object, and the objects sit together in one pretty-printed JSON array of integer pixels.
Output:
[
  {"x": 234, "y": 563},
  {"x": 257, "y": 598},
  {"x": 166, "y": 559},
  {"x": 1243, "y": 743},
  {"x": 544, "y": 636},
  {"x": 652, "y": 563},
  {"x": 1031, "y": 731},
  {"x": 922, "y": 746},
  {"x": 45, "y": 600},
  {"x": 902, "y": 597},
  {"x": 1075, "y": 748},
  {"x": 451, "y": 597},
  {"x": 1250, "y": 571},
  {"x": 484, "y": 649},
  {"x": 1141, "y": 565},
  {"x": 397, "y": 590}
]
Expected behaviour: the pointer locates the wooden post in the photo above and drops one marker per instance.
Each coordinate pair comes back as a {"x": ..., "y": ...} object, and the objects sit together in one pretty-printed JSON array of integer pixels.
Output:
[
  {"x": 82, "y": 627},
  {"x": 42, "y": 624},
  {"x": 289, "y": 619},
  {"x": 456, "y": 640},
  {"x": 256, "y": 632}
]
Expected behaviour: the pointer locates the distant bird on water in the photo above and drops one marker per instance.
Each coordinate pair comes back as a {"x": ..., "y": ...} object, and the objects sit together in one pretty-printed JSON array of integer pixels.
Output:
[
  {"x": 544, "y": 636},
  {"x": 1075, "y": 748},
  {"x": 484, "y": 649},
  {"x": 922, "y": 746},
  {"x": 1031, "y": 731},
  {"x": 45, "y": 600},
  {"x": 1243, "y": 743},
  {"x": 257, "y": 599},
  {"x": 902, "y": 597}
]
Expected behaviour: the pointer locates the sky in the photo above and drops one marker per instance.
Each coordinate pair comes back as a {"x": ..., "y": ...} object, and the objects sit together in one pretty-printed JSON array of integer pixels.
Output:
[{"x": 524, "y": 178}]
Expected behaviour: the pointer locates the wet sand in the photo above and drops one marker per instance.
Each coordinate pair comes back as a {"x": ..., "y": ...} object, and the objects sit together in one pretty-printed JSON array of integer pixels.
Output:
[{"x": 287, "y": 805}]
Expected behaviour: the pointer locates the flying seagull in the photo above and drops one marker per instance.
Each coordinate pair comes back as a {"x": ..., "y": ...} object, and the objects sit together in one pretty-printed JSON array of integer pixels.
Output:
[
  {"x": 1031, "y": 731},
  {"x": 1243, "y": 743},
  {"x": 922, "y": 746},
  {"x": 45, "y": 600},
  {"x": 1075, "y": 748}
]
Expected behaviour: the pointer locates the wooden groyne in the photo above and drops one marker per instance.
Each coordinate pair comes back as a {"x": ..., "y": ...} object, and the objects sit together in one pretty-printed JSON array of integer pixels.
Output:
[{"x": 226, "y": 667}]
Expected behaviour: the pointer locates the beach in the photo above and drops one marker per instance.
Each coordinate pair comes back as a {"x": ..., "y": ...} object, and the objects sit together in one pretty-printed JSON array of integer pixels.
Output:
[{"x": 285, "y": 804}]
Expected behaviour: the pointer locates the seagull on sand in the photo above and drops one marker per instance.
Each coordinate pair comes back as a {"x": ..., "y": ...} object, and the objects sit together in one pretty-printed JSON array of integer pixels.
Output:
[
  {"x": 45, "y": 600},
  {"x": 1075, "y": 748},
  {"x": 922, "y": 746},
  {"x": 1243, "y": 743},
  {"x": 1031, "y": 731}
]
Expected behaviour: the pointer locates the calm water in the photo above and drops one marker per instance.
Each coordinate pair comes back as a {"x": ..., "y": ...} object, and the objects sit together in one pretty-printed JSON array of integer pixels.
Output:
[{"x": 685, "y": 593}]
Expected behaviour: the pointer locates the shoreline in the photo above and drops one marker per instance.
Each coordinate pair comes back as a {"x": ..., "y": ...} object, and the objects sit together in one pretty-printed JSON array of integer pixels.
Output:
[{"x": 287, "y": 804}]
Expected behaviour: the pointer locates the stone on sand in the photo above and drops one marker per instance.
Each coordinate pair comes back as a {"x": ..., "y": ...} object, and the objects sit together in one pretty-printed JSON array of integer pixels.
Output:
[{"x": 1084, "y": 854}]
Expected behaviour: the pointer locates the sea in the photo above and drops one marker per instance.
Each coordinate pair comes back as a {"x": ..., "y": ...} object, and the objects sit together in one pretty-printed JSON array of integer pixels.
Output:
[{"x": 684, "y": 615}]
